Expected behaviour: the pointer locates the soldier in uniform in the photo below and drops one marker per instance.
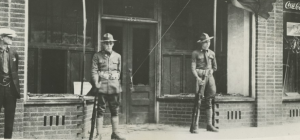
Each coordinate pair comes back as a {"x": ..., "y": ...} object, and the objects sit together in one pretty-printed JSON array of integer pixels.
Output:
[
  {"x": 9, "y": 80},
  {"x": 203, "y": 65},
  {"x": 106, "y": 69}
]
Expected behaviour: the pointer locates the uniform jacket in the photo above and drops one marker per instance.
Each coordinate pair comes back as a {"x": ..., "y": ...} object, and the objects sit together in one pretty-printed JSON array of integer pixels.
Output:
[
  {"x": 13, "y": 64},
  {"x": 104, "y": 65},
  {"x": 199, "y": 64},
  {"x": 198, "y": 59}
]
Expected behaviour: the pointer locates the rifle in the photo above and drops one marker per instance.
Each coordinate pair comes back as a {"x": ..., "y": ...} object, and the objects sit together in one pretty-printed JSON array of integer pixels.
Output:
[
  {"x": 94, "y": 93},
  {"x": 197, "y": 104},
  {"x": 93, "y": 118}
]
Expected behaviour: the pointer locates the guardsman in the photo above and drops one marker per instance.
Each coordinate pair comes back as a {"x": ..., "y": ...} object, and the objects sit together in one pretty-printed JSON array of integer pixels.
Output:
[
  {"x": 106, "y": 69},
  {"x": 204, "y": 64},
  {"x": 9, "y": 80}
]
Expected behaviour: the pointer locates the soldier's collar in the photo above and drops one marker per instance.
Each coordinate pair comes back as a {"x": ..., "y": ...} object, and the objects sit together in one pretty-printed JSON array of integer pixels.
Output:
[
  {"x": 203, "y": 50},
  {"x": 4, "y": 48}
]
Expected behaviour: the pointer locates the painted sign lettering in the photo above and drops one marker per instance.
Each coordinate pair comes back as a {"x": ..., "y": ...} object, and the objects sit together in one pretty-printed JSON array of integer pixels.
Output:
[{"x": 292, "y": 5}]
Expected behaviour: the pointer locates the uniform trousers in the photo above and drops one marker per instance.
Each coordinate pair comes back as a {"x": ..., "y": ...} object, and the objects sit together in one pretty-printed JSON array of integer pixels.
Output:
[
  {"x": 209, "y": 90},
  {"x": 113, "y": 101}
]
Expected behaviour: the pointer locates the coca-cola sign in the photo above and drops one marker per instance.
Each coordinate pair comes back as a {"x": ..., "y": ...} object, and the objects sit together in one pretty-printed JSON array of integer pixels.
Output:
[{"x": 292, "y": 5}]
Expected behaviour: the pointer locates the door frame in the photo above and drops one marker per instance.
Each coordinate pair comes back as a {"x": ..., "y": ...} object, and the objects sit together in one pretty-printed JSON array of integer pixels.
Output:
[
  {"x": 126, "y": 47},
  {"x": 152, "y": 68}
]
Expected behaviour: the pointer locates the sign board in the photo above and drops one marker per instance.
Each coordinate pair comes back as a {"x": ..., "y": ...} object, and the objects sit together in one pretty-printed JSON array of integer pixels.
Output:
[
  {"x": 86, "y": 88},
  {"x": 292, "y": 29},
  {"x": 291, "y": 5}
]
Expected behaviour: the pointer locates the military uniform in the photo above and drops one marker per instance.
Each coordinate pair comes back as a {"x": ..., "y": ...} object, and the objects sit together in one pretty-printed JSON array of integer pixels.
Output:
[
  {"x": 106, "y": 69},
  {"x": 202, "y": 62},
  {"x": 203, "y": 65}
]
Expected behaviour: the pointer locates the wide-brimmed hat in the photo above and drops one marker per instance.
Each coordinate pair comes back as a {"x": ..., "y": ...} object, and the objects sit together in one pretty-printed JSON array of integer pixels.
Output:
[
  {"x": 107, "y": 37},
  {"x": 204, "y": 37},
  {"x": 7, "y": 32}
]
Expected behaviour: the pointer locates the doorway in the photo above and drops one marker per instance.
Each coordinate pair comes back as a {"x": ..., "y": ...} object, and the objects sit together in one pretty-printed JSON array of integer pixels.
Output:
[{"x": 134, "y": 43}]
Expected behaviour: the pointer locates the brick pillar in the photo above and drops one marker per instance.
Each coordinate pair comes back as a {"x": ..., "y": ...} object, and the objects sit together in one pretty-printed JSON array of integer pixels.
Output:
[
  {"x": 12, "y": 15},
  {"x": 269, "y": 70}
]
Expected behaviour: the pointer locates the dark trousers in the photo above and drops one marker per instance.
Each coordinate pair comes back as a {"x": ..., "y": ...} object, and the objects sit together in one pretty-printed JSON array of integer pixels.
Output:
[
  {"x": 8, "y": 101},
  {"x": 113, "y": 101}
]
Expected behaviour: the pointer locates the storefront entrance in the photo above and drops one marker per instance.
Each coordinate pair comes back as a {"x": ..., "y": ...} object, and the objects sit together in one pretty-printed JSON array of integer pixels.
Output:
[{"x": 134, "y": 42}]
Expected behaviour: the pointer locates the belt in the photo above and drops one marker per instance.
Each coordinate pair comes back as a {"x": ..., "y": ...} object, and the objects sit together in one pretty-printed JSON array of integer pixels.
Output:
[
  {"x": 202, "y": 72},
  {"x": 109, "y": 75}
]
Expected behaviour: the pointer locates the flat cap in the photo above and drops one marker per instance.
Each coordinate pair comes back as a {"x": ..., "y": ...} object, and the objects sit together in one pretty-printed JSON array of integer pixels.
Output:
[{"x": 7, "y": 32}]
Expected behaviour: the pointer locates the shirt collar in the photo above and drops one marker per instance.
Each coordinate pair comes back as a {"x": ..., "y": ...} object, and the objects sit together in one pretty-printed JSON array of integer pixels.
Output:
[
  {"x": 107, "y": 53},
  {"x": 204, "y": 50},
  {"x": 2, "y": 49}
]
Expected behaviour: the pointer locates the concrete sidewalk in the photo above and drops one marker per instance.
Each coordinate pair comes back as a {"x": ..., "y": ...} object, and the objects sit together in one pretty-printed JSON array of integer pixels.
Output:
[{"x": 168, "y": 132}]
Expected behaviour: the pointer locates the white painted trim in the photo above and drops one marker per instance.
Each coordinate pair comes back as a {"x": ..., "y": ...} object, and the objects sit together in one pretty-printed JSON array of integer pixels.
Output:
[
  {"x": 26, "y": 49},
  {"x": 253, "y": 54}
]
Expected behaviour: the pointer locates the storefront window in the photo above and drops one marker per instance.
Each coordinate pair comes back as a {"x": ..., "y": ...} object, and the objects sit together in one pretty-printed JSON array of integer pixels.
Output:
[
  {"x": 232, "y": 45},
  {"x": 291, "y": 39},
  {"x": 55, "y": 44}
]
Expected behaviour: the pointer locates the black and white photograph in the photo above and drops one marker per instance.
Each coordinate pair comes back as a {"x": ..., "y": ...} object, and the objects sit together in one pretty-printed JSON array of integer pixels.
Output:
[{"x": 150, "y": 69}]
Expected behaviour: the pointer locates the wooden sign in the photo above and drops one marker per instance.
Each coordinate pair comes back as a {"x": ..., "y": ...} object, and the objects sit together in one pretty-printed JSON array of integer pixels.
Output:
[{"x": 86, "y": 88}]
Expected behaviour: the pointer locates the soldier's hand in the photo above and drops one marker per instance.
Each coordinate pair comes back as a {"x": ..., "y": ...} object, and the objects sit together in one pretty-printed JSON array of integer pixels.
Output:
[
  {"x": 211, "y": 72},
  {"x": 200, "y": 81},
  {"x": 98, "y": 85},
  {"x": 115, "y": 76}
]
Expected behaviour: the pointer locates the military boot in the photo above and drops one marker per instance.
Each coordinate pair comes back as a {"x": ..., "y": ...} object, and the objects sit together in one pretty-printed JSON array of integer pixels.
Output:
[
  {"x": 194, "y": 130},
  {"x": 209, "y": 126},
  {"x": 99, "y": 126},
  {"x": 115, "y": 133}
]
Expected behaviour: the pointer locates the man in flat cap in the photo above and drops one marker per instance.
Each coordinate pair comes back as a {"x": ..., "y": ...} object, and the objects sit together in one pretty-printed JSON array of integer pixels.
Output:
[
  {"x": 106, "y": 69},
  {"x": 203, "y": 65},
  {"x": 9, "y": 80}
]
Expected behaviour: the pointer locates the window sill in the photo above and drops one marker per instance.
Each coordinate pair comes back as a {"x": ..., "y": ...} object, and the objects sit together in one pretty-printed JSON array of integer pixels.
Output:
[
  {"x": 291, "y": 99},
  {"x": 56, "y": 99},
  {"x": 219, "y": 98}
]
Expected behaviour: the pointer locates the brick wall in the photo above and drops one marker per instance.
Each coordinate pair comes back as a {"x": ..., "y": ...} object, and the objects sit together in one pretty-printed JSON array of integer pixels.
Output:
[
  {"x": 227, "y": 114},
  {"x": 269, "y": 71},
  {"x": 175, "y": 112},
  {"x": 88, "y": 110},
  {"x": 53, "y": 121},
  {"x": 12, "y": 15},
  {"x": 291, "y": 112},
  {"x": 231, "y": 114}
]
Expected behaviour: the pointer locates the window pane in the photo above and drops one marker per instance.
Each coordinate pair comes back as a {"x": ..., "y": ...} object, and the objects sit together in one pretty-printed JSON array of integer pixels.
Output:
[
  {"x": 191, "y": 22},
  {"x": 75, "y": 68},
  {"x": 291, "y": 59},
  {"x": 32, "y": 70},
  {"x": 133, "y": 8},
  {"x": 53, "y": 71},
  {"x": 61, "y": 21},
  {"x": 238, "y": 51},
  {"x": 114, "y": 7},
  {"x": 141, "y": 8},
  {"x": 141, "y": 46}
]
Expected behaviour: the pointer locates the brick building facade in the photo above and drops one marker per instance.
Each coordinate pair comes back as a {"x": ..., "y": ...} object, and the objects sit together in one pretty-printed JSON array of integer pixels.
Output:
[{"x": 264, "y": 103}]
